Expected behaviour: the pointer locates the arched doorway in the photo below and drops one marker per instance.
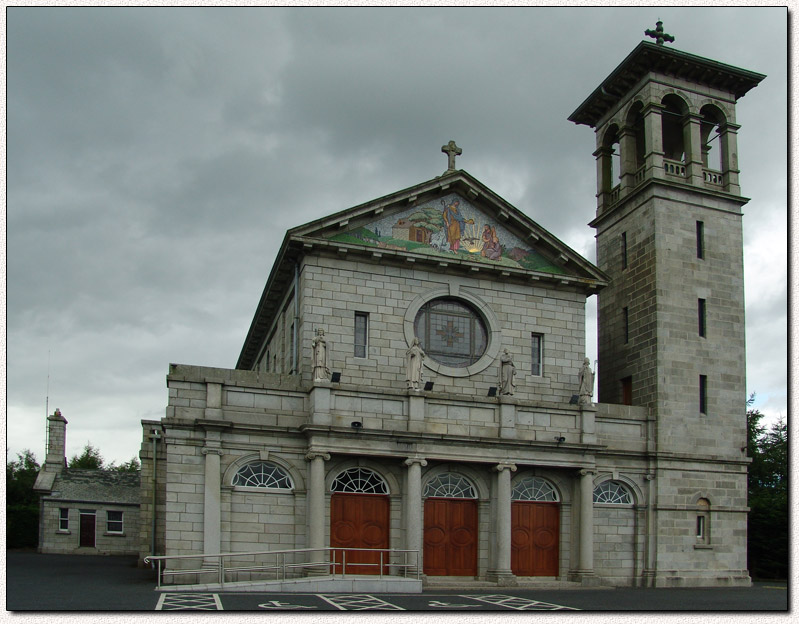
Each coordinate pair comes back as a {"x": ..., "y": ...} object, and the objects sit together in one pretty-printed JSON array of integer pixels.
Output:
[
  {"x": 535, "y": 528},
  {"x": 450, "y": 526},
  {"x": 359, "y": 518}
]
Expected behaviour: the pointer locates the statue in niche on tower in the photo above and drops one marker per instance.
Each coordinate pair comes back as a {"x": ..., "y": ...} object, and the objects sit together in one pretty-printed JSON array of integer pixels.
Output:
[
  {"x": 414, "y": 357},
  {"x": 321, "y": 371},
  {"x": 586, "y": 379},
  {"x": 507, "y": 374}
]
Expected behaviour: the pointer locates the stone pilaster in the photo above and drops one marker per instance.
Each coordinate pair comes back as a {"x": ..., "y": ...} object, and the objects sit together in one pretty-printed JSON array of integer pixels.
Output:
[
  {"x": 507, "y": 418},
  {"x": 320, "y": 403},
  {"x": 416, "y": 409},
  {"x": 501, "y": 573},
  {"x": 414, "y": 512},
  {"x": 212, "y": 518}
]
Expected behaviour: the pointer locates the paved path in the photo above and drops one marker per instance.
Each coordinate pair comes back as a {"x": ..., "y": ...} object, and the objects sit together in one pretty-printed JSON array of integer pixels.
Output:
[{"x": 36, "y": 582}]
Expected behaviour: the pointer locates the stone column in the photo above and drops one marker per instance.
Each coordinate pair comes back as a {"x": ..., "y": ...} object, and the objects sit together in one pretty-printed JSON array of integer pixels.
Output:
[
  {"x": 316, "y": 501},
  {"x": 653, "y": 140},
  {"x": 414, "y": 522},
  {"x": 692, "y": 137},
  {"x": 502, "y": 573},
  {"x": 586, "y": 527},
  {"x": 212, "y": 517},
  {"x": 729, "y": 157},
  {"x": 627, "y": 159},
  {"x": 604, "y": 182}
]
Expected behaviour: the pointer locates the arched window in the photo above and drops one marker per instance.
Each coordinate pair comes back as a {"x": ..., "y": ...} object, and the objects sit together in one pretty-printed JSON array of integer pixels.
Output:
[
  {"x": 449, "y": 485},
  {"x": 451, "y": 332},
  {"x": 534, "y": 489},
  {"x": 712, "y": 148},
  {"x": 703, "y": 521},
  {"x": 261, "y": 474},
  {"x": 673, "y": 116},
  {"x": 612, "y": 493},
  {"x": 635, "y": 123},
  {"x": 359, "y": 481}
]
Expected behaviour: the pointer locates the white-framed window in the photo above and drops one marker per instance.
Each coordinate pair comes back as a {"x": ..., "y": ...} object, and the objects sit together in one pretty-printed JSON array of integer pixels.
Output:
[
  {"x": 537, "y": 344},
  {"x": 612, "y": 493},
  {"x": 262, "y": 474},
  {"x": 534, "y": 489},
  {"x": 450, "y": 485},
  {"x": 359, "y": 481},
  {"x": 63, "y": 519},
  {"x": 361, "y": 334},
  {"x": 114, "y": 521}
]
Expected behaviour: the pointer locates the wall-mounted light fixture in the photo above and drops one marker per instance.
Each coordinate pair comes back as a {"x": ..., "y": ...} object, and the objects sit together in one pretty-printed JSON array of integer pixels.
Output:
[
  {"x": 356, "y": 424},
  {"x": 492, "y": 391},
  {"x": 335, "y": 377},
  {"x": 560, "y": 439},
  {"x": 574, "y": 400},
  {"x": 428, "y": 386}
]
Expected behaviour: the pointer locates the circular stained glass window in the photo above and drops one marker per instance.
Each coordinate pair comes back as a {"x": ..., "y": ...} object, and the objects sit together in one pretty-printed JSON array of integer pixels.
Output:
[{"x": 451, "y": 332}]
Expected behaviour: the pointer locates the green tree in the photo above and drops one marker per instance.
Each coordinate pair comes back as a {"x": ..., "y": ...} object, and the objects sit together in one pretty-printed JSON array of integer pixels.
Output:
[
  {"x": 132, "y": 465},
  {"x": 22, "y": 503},
  {"x": 90, "y": 458},
  {"x": 768, "y": 535}
]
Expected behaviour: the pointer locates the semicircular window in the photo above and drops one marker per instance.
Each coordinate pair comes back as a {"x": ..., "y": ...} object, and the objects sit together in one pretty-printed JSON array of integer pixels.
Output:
[
  {"x": 534, "y": 489},
  {"x": 612, "y": 493},
  {"x": 359, "y": 481},
  {"x": 449, "y": 485},
  {"x": 451, "y": 332},
  {"x": 262, "y": 474}
]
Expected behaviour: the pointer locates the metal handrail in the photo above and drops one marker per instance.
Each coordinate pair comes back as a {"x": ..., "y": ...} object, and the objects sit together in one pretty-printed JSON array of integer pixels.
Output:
[{"x": 281, "y": 564}]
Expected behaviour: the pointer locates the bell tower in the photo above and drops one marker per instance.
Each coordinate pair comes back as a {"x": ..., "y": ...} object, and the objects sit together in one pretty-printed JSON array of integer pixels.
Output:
[
  {"x": 671, "y": 322},
  {"x": 668, "y": 231}
]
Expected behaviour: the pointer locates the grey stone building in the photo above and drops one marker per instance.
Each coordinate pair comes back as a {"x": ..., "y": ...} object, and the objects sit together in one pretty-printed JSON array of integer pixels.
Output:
[
  {"x": 429, "y": 392},
  {"x": 90, "y": 512}
]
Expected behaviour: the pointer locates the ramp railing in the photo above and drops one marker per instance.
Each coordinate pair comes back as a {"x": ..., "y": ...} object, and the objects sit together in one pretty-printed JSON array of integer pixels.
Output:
[{"x": 281, "y": 565}]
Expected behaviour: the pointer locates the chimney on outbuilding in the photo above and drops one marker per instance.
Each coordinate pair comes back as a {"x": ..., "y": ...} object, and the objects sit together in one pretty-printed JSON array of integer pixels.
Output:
[{"x": 56, "y": 440}]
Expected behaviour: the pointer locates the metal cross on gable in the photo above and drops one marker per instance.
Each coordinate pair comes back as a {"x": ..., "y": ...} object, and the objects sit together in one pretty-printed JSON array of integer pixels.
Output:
[
  {"x": 658, "y": 35},
  {"x": 451, "y": 150}
]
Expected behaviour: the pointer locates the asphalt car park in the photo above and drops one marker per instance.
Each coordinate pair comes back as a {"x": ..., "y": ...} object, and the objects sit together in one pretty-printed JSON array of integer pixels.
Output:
[{"x": 37, "y": 582}]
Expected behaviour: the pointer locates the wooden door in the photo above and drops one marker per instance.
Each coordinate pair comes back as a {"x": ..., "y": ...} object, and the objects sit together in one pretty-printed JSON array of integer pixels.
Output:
[
  {"x": 535, "y": 530},
  {"x": 87, "y": 531},
  {"x": 450, "y": 537},
  {"x": 359, "y": 521}
]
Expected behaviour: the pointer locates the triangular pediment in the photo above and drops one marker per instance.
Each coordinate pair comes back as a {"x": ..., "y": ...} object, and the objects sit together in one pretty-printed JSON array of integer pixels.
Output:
[{"x": 453, "y": 219}]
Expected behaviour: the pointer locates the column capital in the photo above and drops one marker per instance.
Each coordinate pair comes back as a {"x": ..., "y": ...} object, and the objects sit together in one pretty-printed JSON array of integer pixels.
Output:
[
  {"x": 501, "y": 467},
  {"x": 650, "y": 476},
  {"x": 207, "y": 450},
  {"x": 311, "y": 455},
  {"x": 587, "y": 471},
  {"x": 415, "y": 460}
]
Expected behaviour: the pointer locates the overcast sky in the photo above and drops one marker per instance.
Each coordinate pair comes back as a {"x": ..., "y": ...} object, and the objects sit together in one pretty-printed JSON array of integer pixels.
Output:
[{"x": 156, "y": 157}]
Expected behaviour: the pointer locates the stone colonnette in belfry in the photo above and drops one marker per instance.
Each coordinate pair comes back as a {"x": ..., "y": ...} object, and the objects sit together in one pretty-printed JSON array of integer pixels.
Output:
[{"x": 414, "y": 377}]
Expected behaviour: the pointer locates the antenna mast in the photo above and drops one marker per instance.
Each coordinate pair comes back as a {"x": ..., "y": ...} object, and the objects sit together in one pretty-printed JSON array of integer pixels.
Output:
[{"x": 47, "y": 407}]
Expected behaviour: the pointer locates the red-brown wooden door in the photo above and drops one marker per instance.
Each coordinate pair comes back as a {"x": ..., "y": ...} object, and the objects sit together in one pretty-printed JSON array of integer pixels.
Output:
[
  {"x": 535, "y": 530},
  {"x": 87, "y": 529},
  {"x": 450, "y": 537},
  {"x": 359, "y": 521}
]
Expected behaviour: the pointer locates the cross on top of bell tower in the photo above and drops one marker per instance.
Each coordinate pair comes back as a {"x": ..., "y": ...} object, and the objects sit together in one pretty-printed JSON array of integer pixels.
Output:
[
  {"x": 658, "y": 35},
  {"x": 451, "y": 150}
]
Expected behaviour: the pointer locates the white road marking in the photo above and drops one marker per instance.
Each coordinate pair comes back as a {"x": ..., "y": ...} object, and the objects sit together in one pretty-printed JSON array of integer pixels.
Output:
[
  {"x": 358, "y": 602},
  {"x": 276, "y": 604},
  {"x": 519, "y": 604},
  {"x": 451, "y": 605},
  {"x": 172, "y": 601}
]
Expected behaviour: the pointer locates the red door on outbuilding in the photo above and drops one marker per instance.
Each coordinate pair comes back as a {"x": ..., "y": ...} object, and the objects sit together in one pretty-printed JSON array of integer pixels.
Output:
[
  {"x": 359, "y": 521},
  {"x": 87, "y": 529},
  {"x": 535, "y": 528},
  {"x": 450, "y": 537}
]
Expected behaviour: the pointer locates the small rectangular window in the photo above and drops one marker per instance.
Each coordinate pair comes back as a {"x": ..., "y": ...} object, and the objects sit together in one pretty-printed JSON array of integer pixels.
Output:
[
  {"x": 537, "y": 353},
  {"x": 361, "y": 334},
  {"x": 700, "y": 239},
  {"x": 624, "y": 250},
  {"x": 63, "y": 519},
  {"x": 703, "y": 394},
  {"x": 626, "y": 320},
  {"x": 292, "y": 353},
  {"x": 702, "y": 309},
  {"x": 627, "y": 391},
  {"x": 700, "y": 527},
  {"x": 114, "y": 522}
]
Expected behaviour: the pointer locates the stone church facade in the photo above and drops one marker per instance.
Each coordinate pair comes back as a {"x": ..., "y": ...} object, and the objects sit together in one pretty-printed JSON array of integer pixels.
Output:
[{"x": 429, "y": 392}]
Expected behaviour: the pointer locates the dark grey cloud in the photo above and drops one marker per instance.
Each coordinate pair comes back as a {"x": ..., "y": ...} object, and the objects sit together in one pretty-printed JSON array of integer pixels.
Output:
[{"x": 156, "y": 157}]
